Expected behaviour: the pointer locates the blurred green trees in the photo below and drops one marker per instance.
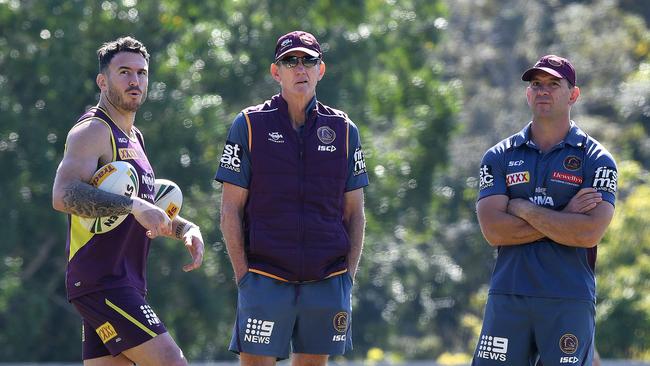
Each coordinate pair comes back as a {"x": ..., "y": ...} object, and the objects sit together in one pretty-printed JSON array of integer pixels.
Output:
[{"x": 431, "y": 85}]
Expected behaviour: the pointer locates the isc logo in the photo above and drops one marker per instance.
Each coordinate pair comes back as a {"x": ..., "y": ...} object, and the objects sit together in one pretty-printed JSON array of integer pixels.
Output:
[
  {"x": 330, "y": 148},
  {"x": 338, "y": 338},
  {"x": 567, "y": 359}
]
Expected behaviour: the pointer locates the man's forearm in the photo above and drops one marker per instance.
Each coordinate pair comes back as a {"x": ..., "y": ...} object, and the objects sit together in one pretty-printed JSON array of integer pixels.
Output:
[
  {"x": 84, "y": 200},
  {"x": 233, "y": 235},
  {"x": 356, "y": 232}
]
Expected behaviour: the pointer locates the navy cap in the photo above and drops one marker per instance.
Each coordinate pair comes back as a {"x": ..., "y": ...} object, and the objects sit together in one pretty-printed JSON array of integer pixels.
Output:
[
  {"x": 297, "y": 41},
  {"x": 555, "y": 65}
]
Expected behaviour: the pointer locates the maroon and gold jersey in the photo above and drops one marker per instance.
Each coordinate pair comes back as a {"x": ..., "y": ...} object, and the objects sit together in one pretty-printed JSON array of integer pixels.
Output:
[{"x": 117, "y": 258}]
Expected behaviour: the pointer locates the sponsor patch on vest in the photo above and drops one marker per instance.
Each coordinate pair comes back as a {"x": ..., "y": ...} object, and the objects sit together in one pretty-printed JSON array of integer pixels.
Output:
[
  {"x": 486, "y": 179},
  {"x": 326, "y": 135},
  {"x": 106, "y": 332},
  {"x": 359, "y": 162},
  {"x": 276, "y": 137},
  {"x": 231, "y": 157},
  {"x": 571, "y": 179},
  {"x": 513, "y": 179},
  {"x": 605, "y": 179}
]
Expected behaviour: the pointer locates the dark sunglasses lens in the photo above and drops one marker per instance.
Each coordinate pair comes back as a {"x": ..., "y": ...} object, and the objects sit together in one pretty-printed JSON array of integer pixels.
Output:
[
  {"x": 310, "y": 61},
  {"x": 290, "y": 61}
]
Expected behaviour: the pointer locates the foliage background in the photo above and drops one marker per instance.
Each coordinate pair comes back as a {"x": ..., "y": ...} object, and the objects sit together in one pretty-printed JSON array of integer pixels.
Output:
[{"x": 430, "y": 83}]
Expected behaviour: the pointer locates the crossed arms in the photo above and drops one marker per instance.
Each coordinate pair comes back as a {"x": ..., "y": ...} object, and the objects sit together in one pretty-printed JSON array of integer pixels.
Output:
[{"x": 582, "y": 223}]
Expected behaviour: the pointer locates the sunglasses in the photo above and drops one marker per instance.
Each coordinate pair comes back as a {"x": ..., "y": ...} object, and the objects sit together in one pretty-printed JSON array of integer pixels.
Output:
[{"x": 292, "y": 61}]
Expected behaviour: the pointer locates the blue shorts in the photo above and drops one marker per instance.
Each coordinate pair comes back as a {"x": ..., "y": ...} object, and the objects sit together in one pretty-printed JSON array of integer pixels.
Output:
[
  {"x": 518, "y": 329},
  {"x": 115, "y": 320},
  {"x": 276, "y": 317}
]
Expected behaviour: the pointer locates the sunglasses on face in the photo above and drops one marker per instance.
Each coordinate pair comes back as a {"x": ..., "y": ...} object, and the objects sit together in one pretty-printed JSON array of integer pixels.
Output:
[{"x": 292, "y": 61}]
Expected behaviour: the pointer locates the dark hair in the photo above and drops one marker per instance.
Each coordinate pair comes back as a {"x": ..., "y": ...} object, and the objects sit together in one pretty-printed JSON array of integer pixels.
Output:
[{"x": 108, "y": 50}]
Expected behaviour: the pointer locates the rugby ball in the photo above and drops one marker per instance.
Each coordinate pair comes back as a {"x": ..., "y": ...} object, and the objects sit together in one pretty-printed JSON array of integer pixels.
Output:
[
  {"x": 117, "y": 177},
  {"x": 168, "y": 197}
]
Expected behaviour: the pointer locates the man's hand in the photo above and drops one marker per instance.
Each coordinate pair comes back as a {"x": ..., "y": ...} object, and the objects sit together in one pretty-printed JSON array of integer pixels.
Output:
[
  {"x": 584, "y": 201},
  {"x": 194, "y": 244},
  {"x": 154, "y": 219}
]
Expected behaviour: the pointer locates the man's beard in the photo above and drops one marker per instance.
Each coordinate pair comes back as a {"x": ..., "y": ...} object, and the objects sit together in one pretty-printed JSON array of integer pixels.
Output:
[{"x": 116, "y": 99}]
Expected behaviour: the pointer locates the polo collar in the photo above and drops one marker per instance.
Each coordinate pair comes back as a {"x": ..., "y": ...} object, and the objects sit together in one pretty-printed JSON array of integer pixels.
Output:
[{"x": 575, "y": 137}]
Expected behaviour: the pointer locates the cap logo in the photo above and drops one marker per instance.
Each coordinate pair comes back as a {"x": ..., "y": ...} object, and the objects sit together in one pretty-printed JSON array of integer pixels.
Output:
[
  {"x": 305, "y": 39},
  {"x": 554, "y": 62},
  {"x": 285, "y": 43}
]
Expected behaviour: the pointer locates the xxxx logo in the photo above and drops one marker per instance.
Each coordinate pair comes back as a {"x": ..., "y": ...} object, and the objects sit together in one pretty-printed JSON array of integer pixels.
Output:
[{"x": 517, "y": 178}]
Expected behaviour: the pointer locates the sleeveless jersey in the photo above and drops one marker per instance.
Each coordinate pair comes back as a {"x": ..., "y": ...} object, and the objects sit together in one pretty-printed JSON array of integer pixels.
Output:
[{"x": 116, "y": 258}]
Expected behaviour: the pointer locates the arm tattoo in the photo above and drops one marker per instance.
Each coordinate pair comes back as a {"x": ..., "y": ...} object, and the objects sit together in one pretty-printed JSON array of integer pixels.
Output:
[
  {"x": 83, "y": 200},
  {"x": 180, "y": 227}
]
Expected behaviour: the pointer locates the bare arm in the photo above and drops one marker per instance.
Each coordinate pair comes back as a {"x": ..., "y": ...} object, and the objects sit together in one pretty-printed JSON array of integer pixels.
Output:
[
  {"x": 190, "y": 233},
  {"x": 583, "y": 230},
  {"x": 354, "y": 220},
  {"x": 88, "y": 146},
  {"x": 501, "y": 228},
  {"x": 233, "y": 201}
]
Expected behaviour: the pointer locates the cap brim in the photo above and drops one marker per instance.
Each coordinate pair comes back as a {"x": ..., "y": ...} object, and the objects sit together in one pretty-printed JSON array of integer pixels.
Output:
[
  {"x": 528, "y": 75},
  {"x": 303, "y": 49}
]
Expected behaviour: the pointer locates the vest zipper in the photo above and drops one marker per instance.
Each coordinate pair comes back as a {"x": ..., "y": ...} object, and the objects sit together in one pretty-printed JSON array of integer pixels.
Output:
[{"x": 301, "y": 176}]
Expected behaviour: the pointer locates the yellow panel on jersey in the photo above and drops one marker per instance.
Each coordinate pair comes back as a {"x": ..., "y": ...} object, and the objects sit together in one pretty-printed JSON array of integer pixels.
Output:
[{"x": 79, "y": 236}]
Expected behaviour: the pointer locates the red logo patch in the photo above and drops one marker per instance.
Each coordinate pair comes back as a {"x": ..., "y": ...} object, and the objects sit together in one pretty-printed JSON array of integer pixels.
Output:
[
  {"x": 566, "y": 177},
  {"x": 517, "y": 178}
]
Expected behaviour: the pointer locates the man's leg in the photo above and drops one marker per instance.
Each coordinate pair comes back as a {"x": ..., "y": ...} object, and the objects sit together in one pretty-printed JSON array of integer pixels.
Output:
[
  {"x": 161, "y": 350},
  {"x": 120, "y": 360},
  {"x": 306, "y": 359},
  {"x": 247, "y": 359}
]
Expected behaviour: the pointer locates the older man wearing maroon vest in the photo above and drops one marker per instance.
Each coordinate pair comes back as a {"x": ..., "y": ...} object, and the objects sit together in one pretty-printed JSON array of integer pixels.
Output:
[{"x": 292, "y": 215}]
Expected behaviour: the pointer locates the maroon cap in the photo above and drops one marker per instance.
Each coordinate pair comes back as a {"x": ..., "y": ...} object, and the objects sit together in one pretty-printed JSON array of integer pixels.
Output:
[
  {"x": 555, "y": 65},
  {"x": 297, "y": 41}
]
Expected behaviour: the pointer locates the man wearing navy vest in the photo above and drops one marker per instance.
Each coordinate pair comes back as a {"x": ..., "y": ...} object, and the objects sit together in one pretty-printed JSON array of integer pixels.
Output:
[
  {"x": 546, "y": 197},
  {"x": 292, "y": 215}
]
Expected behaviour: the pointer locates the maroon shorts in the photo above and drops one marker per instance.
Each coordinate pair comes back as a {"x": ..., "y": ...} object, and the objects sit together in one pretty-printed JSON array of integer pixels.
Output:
[{"x": 115, "y": 320}]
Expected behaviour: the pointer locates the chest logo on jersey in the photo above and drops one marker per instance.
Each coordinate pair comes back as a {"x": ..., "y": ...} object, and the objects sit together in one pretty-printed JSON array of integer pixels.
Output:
[
  {"x": 122, "y": 140},
  {"x": 566, "y": 178},
  {"x": 513, "y": 179},
  {"x": 515, "y": 163},
  {"x": 128, "y": 153},
  {"x": 572, "y": 163},
  {"x": 326, "y": 135},
  {"x": 276, "y": 137}
]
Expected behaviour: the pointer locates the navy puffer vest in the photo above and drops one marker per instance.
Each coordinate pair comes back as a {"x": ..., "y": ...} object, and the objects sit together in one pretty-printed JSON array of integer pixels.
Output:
[{"x": 294, "y": 213}]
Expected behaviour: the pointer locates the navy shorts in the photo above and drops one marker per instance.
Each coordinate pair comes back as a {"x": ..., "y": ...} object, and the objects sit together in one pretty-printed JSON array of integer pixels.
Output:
[
  {"x": 115, "y": 320},
  {"x": 518, "y": 329},
  {"x": 275, "y": 318}
]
